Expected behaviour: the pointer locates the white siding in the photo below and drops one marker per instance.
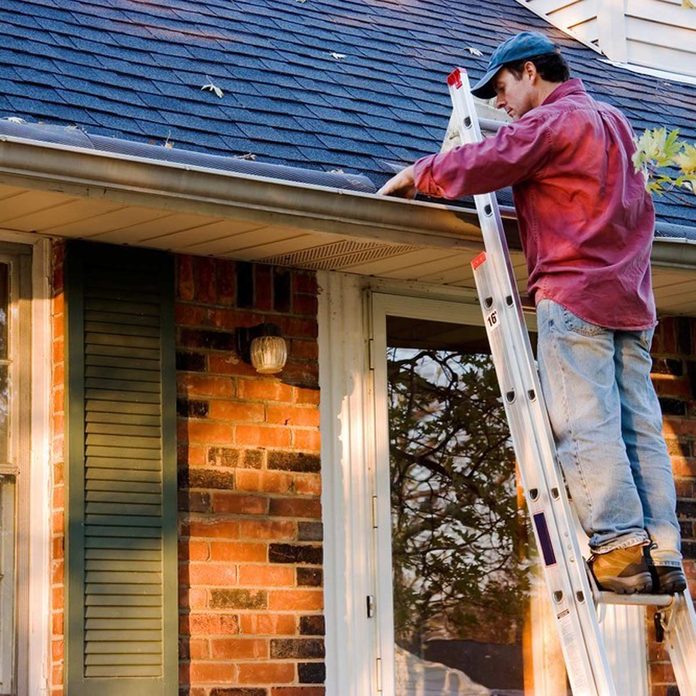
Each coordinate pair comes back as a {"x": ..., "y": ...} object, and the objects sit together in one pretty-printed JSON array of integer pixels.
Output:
[{"x": 657, "y": 34}]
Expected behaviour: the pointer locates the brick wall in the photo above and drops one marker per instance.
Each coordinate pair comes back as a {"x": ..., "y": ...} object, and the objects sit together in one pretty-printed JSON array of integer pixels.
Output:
[
  {"x": 250, "y": 532},
  {"x": 250, "y": 550},
  {"x": 57, "y": 468},
  {"x": 674, "y": 376}
]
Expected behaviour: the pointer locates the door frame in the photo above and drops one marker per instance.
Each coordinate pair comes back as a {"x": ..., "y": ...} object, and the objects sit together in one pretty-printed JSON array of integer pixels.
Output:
[
  {"x": 355, "y": 444},
  {"x": 382, "y": 306}
]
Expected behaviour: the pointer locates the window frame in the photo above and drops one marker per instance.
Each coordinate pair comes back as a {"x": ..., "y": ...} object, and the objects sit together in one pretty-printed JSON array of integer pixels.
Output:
[{"x": 32, "y": 428}]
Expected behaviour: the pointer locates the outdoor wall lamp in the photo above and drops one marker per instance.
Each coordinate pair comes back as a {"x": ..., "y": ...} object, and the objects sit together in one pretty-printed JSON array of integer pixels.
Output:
[{"x": 264, "y": 347}]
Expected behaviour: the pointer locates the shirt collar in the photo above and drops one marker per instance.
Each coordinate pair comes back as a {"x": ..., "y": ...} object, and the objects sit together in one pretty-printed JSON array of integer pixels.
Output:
[{"x": 572, "y": 86}]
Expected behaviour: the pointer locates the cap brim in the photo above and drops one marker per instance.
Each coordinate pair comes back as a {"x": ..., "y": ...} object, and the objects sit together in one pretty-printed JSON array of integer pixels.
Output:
[{"x": 483, "y": 89}]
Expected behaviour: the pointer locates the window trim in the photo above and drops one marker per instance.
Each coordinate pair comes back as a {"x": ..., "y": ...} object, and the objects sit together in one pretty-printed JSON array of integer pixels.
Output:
[{"x": 34, "y": 489}]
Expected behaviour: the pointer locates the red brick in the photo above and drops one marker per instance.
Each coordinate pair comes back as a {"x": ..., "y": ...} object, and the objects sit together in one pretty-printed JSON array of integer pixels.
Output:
[
  {"x": 305, "y": 281},
  {"x": 266, "y": 673},
  {"x": 236, "y": 551},
  {"x": 305, "y": 304},
  {"x": 192, "y": 597},
  {"x": 214, "y": 528},
  {"x": 265, "y": 390},
  {"x": 193, "y": 550},
  {"x": 226, "y": 273},
  {"x": 191, "y": 384},
  {"x": 684, "y": 466},
  {"x": 306, "y": 440},
  {"x": 209, "y": 624},
  {"x": 308, "y": 484},
  {"x": 196, "y": 649},
  {"x": 266, "y": 481},
  {"x": 266, "y": 576},
  {"x": 268, "y": 624},
  {"x": 239, "y": 411},
  {"x": 212, "y": 672},
  {"x": 208, "y": 574},
  {"x": 236, "y": 648},
  {"x": 191, "y": 455},
  {"x": 267, "y": 529},
  {"x": 296, "y": 507},
  {"x": 230, "y": 364},
  {"x": 184, "y": 268},
  {"x": 299, "y": 691},
  {"x": 205, "y": 433},
  {"x": 263, "y": 293},
  {"x": 293, "y": 415},
  {"x": 263, "y": 436},
  {"x": 239, "y": 504},
  {"x": 304, "y": 349},
  {"x": 294, "y": 600}
]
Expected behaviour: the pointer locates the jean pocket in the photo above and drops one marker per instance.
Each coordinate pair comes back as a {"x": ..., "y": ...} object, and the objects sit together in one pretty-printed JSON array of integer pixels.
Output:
[
  {"x": 574, "y": 323},
  {"x": 645, "y": 338}
]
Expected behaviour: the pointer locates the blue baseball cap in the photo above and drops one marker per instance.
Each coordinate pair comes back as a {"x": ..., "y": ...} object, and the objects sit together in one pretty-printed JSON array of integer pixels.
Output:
[{"x": 526, "y": 44}]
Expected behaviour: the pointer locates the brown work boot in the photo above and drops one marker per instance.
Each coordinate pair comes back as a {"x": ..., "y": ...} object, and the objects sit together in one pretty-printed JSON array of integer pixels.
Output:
[
  {"x": 668, "y": 579},
  {"x": 623, "y": 571}
]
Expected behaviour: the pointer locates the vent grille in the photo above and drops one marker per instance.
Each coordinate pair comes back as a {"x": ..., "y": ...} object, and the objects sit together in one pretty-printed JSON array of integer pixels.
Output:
[{"x": 336, "y": 255}]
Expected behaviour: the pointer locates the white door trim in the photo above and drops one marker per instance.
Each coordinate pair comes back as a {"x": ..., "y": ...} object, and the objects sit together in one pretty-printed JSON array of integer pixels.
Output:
[{"x": 354, "y": 437}]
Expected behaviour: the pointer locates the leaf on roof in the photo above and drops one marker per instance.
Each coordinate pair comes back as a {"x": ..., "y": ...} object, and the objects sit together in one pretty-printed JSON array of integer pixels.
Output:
[
  {"x": 474, "y": 51},
  {"x": 15, "y": 119},
  {"x": 301, "y": 1},
  {"x": 212, "y": 87},
  {"x": 338, "y": 56},
  {"x": 686, "y": 159},
  {"x": 336, "y": 171},
  {"x": 690, "y": 4},
  {"x": 247, "y": 156}
]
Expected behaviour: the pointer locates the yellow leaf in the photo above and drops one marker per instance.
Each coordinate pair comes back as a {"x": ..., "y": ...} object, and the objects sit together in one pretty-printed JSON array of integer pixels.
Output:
[{"x": 686, "y": 159}]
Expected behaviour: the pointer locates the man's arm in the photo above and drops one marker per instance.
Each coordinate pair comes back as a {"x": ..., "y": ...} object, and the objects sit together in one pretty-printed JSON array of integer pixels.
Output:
[{"x": 516, "y": 151}]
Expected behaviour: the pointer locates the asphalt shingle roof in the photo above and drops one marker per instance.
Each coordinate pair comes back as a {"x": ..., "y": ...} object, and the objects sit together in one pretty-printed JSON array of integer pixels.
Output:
[{"x": 134, "y": 69}]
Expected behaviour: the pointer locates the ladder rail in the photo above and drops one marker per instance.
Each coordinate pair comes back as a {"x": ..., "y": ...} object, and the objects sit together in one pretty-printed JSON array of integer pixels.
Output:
[
  {"x": 573, "y": 595},
  {"x": 581, "y": 640}
]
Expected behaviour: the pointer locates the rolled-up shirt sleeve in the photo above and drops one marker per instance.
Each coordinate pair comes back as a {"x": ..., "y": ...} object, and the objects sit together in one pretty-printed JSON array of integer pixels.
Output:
[{"x": 514, "y": 153}]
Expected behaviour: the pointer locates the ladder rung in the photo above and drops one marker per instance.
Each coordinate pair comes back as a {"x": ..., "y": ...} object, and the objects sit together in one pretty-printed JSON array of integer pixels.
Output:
[{"x": 644, "y": 600}]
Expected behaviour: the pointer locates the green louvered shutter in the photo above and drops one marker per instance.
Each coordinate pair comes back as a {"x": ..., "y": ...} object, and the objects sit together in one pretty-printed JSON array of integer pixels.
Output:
[{"x": 121, "y": 533}]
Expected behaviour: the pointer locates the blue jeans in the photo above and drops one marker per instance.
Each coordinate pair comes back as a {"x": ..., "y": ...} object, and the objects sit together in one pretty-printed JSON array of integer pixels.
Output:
[{"x": 607, "y": 424}]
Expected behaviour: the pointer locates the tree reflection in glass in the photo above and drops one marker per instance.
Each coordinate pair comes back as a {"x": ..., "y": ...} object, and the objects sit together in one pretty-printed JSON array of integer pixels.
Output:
[{"x": 459, "y": 574}]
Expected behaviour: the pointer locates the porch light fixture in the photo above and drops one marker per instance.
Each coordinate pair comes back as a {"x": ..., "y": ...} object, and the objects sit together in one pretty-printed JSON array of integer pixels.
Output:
[{"x": 264, "y": 347}]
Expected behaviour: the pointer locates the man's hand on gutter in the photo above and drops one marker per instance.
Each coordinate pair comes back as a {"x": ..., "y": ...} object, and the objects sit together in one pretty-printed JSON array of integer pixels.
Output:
[{"x": 401, "y": 185}]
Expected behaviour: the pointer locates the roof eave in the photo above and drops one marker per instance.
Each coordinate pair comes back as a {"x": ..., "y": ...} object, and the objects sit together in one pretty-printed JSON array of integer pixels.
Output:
[
  {"x": 94, "y": 174},
  {"x": 87, "y": 173}
]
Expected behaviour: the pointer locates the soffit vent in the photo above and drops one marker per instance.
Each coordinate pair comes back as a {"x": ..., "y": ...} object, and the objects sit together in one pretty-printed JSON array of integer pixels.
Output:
[{"x": 337, "y": 255}]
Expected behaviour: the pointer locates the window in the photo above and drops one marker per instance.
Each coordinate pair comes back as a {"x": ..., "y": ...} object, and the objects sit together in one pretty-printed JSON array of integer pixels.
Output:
[{"x": 14, "y": 448}]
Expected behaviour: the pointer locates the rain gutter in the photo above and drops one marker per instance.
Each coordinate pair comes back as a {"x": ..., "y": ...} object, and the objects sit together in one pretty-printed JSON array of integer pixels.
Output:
[{"x": 83, "y": 172}]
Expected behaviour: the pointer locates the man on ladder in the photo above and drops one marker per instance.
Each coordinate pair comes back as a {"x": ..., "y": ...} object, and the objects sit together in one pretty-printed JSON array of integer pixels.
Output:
[{"x": 586, "y": 223}]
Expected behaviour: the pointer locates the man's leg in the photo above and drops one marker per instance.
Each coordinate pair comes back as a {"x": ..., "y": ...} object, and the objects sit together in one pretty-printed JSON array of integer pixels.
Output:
[
  {"x": 576, "y": 364},
  {"x": 652, "y": 470}
]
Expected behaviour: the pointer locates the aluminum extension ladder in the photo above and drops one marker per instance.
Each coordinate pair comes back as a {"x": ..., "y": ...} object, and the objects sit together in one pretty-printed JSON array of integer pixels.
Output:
[{"x": 574, "y": 595}]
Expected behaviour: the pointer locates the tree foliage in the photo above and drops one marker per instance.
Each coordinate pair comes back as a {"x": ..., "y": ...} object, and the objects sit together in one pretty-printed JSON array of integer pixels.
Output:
[
  {"x": 458, "y": 571},
  {"x": 668, "y": 161}
]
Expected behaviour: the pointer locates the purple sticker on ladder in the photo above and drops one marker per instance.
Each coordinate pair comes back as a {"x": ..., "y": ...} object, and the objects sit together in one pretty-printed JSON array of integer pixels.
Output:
[{"x": 544, "y": 539}]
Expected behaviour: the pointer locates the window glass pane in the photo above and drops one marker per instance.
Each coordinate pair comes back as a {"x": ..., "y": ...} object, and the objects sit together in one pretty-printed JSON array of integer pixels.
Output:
[
  {"x": 4, "y": 411},
  {"x": 466, "y": 599},
  {"x": 4, "y": 302},
  {"x": 7, "y": 580}
]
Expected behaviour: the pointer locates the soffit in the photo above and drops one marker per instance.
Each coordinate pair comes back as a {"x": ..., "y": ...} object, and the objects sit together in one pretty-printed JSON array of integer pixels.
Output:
[{"x": 57, "y": 214}]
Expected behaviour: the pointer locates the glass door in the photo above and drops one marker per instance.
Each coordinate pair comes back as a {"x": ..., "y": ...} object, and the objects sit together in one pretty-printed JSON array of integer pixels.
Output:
[{"x": 461, "y": 607}]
